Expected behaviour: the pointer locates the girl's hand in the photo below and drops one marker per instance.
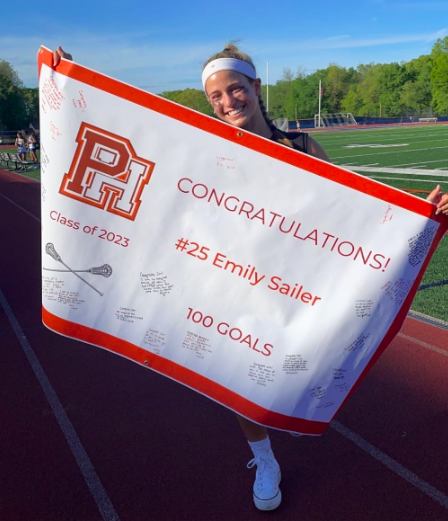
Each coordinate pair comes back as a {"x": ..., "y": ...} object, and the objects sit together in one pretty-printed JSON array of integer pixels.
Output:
[
  {"x": 58, "y": 54},
  {"x": 440, "y": 199},
  {"x": 442, "y": 206}
]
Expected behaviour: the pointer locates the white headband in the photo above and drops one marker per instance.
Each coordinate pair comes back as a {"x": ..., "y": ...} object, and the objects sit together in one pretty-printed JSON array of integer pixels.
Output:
[{"x": 228, "y": 64}]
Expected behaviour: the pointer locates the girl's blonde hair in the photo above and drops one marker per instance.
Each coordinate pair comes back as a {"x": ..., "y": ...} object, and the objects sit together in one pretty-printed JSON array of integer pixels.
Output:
[{"x": 231, "y": 51}]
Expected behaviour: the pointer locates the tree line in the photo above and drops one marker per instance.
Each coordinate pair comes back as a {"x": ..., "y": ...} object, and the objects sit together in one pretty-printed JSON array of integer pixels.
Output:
[
  {"x": 19, "y": 105},
  {"x": 376, "y": 90}
]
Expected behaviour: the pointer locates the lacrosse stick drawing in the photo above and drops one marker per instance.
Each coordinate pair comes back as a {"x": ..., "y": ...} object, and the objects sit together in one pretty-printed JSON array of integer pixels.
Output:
[
  {"x": 105, "y": 270},
  {"x": 50, "y": 250}
]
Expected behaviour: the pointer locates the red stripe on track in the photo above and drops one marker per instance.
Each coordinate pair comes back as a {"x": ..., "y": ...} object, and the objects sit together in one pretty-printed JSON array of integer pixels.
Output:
[
  {"x": 427, "y": 333},
  {"x": 15, "y": 177}
]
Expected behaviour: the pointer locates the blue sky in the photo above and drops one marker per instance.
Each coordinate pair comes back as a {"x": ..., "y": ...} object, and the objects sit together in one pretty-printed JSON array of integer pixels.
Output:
[{"x": 161, "y": 46}]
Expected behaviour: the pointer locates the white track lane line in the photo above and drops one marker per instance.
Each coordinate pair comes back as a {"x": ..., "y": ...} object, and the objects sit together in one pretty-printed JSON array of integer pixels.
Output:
[
  {"x": 391, "y": 464},
  {"x": 424, "y": 344},
  {"x": 20, "y": 207},
  {"x": 82, "y": 459},
  {"x": 93, "y": 482},
  {"x": 96, "y": 486}
]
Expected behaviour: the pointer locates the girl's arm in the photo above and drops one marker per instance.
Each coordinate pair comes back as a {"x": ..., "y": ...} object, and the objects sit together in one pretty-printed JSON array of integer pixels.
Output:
[{"x": 316, "y": 150}]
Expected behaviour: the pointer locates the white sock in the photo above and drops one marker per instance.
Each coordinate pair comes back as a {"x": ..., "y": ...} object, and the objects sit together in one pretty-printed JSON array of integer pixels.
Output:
[{"x": 261, "y": 447}]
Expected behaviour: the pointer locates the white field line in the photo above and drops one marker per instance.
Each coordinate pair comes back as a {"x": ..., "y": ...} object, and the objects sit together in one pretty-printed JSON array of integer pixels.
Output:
[
  {"x": 418, "y": 163},
  {"x": 387, "y": 153},
  {"x": 379, "y": 177},
  {"x": 387, "y": 170},
  {"x": 376, "y": 145},
  {"x": 383, "y": 137},
  {"x": 390, "y": 133},
  {"x": 382, "y": 143}
]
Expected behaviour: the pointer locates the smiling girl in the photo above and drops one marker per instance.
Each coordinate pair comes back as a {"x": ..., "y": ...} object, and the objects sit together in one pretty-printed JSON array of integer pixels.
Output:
[{"x": 232, "y": 88}]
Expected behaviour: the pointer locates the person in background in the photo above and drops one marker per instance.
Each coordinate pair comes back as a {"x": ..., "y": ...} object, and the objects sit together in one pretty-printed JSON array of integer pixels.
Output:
[
  {"x": 20, "y": 145},
  {"x": 32, "y": 147}
]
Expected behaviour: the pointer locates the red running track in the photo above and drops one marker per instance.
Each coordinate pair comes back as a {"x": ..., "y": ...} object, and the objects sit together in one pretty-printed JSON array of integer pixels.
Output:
[{"x": 87, "y": 435}]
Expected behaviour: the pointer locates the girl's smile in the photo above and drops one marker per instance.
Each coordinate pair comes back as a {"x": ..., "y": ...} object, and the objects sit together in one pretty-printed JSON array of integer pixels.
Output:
[{"x": 235, "y": 99}]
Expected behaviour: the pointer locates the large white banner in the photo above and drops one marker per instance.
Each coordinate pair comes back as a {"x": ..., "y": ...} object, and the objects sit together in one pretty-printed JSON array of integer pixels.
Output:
[{"x": 263, "y": 278}]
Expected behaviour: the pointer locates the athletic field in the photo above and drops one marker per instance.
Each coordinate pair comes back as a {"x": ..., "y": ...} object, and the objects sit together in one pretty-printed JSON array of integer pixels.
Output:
[{"x": 410, "y": 158}]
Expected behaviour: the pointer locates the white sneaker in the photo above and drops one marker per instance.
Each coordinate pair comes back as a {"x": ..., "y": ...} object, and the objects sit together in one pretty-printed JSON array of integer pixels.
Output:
[{"x": 267, "y": 494}]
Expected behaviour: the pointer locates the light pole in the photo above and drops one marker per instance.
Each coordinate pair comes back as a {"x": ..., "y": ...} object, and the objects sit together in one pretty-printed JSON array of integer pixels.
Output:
[{"x": 267, "y": 87}]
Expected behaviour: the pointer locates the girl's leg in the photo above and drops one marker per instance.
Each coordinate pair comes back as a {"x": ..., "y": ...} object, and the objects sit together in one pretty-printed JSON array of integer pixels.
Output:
[
  {"x": 252, "y": 431},
  {"x": 266, "y": 491}
]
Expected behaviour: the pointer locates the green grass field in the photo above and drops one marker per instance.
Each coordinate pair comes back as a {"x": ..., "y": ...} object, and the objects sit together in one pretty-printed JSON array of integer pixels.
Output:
[
  {"x": 413, "y": 157},
  {"x": 407, "y": 157}
]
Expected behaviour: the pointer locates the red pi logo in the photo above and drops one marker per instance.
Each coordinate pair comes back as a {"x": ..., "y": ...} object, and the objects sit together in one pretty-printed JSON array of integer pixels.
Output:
[{"x": 106, "y": 172}]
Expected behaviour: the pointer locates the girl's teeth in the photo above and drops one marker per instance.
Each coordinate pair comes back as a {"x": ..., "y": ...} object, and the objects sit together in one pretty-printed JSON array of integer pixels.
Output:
[{"x": 234, "y": 112}]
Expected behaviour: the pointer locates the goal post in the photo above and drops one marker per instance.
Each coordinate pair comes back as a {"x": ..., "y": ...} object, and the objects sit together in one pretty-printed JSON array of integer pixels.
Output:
[
  {"x": 338, "y": 119},
  {"x": 281, "y": 124}
]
